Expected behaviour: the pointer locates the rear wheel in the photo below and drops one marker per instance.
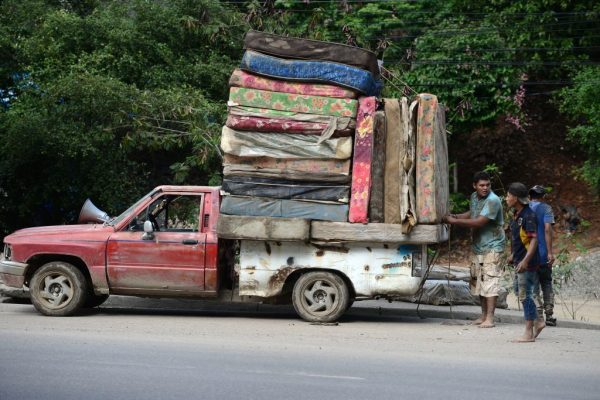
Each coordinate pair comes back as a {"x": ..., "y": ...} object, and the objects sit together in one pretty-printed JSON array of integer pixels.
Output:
[
  {"x": 320, "y": 296},
  {"x": 58, "y": 289}
]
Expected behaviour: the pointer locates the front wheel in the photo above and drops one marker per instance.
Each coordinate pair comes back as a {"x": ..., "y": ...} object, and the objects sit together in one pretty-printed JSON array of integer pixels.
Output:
[
  {"x": 320, "y": 296},
  {"x": 58, "y": 289},
  {"x": 95, "y": 300}
]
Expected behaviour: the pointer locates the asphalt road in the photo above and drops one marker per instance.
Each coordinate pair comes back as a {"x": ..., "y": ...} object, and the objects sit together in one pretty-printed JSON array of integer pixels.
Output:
[{"x": 222, "y": 354}]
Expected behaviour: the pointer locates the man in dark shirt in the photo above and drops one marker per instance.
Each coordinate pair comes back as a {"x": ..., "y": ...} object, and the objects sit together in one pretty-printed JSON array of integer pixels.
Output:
[
  {"x": 525, "y": 257},
  {"x": 545, "y": 220}
]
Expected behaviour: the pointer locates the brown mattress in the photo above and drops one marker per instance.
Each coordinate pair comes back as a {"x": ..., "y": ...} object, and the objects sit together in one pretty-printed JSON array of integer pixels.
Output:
[{"x": 432, "y": 161}]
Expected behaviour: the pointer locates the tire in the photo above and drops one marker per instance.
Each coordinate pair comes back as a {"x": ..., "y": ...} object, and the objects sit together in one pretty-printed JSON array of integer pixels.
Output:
[
  {"x": 58, "y": 289},
  {"x": 94, "y": 300},
  {"x": 350, "y": 303},
  {"x": 320, "y": 297}
]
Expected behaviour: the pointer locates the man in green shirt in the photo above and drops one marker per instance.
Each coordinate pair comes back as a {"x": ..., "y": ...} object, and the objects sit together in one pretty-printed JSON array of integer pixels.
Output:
[{"x": 486, "y": 218}]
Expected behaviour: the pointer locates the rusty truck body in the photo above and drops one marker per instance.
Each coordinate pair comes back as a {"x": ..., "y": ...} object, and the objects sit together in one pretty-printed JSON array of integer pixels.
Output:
[{"x": 168, "y": 244}]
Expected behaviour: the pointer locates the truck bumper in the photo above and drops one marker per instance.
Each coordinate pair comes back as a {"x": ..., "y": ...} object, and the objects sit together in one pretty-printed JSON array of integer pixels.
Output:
[{"x": 12, "y": 273}]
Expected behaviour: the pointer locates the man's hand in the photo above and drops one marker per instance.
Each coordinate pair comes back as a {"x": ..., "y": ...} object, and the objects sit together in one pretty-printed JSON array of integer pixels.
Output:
[
  {"x": 551, "y": 259},
  {"x": 521, "y": 267},
  {"x": 449, "y": 219},
  {"x": 509, "y": 261}
]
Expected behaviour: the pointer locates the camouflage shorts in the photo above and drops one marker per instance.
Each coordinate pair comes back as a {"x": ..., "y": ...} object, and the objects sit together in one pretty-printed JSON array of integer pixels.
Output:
[{"x": 486, "y": 271}]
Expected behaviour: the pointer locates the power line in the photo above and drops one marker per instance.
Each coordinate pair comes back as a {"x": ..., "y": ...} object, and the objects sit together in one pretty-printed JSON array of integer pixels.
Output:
[
  {"x": 446, "y": 14},
  {"x": 511, "y": 49},
  {"x": 413, "y": 22},
  {"x": 398, "y": 47},
  {"x": 503, "y": 84},
  {"x": 481, "y": 29},
  {"x": 436, "y": 13},
  {"x": 429, "y": 32},
  {"x": 498, "y": 63},
  {"x": 396, "y": 2}
]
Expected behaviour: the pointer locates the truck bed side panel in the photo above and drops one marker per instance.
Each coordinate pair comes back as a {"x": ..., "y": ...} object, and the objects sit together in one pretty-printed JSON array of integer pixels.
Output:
[{"x": 372, "y": 268}]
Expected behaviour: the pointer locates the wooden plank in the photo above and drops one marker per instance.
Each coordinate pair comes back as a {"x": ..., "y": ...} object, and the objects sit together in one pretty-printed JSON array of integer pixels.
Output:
[
  {"x": 263, "y": 228},
  {"x": 387, "y": 233}
]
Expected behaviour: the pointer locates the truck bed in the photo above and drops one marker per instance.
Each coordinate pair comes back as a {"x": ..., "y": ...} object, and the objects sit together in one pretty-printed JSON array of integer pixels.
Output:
[{"x": 297, "y": 229}]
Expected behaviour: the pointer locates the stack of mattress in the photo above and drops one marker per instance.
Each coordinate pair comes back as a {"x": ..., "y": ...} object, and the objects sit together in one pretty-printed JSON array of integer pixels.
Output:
[{"x": 301, "y": 118}]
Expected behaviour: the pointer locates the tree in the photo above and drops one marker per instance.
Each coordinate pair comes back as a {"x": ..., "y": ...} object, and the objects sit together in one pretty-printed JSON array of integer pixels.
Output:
[
  {"x": 581, "y": 102},
  {"x": 57, "y": 151},
  {"x": 108, "y": 99}
]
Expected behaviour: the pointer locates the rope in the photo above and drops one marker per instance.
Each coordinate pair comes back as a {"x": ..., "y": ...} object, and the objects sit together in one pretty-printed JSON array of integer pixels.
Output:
[
  {"x": 422, "y": 284},
  {"x": 433, "y": 259},
  {"x": 451, "y": 300}
]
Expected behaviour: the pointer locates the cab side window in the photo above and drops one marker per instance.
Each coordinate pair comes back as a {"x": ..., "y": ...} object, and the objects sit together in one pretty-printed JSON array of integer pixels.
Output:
[
  {"x": 182, "y": 214},
  {"x": 171, "y": 213}
]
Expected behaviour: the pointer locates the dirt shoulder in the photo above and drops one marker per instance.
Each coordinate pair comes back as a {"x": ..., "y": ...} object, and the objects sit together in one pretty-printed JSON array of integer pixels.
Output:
[{"x": 576, "y": 280}]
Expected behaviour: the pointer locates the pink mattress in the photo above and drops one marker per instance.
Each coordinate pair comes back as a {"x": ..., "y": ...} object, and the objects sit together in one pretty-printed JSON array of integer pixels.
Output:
[
  {"x": 245, "y": 79},
  {"x": 361, "y": 162}
]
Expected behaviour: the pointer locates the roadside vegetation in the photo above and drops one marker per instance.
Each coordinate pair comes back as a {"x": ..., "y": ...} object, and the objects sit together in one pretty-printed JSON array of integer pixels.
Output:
[{"x": 106, "y": 99}]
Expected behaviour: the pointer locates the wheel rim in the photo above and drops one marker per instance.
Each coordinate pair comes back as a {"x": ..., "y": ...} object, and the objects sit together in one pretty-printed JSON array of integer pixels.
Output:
[
  {"x": 56, "y": 290},
  {"x": 320, "y": 297}
]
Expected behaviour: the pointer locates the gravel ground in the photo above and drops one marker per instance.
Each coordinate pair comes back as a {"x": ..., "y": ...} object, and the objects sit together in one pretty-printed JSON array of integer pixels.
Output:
[{"x": 585, "y": 279}]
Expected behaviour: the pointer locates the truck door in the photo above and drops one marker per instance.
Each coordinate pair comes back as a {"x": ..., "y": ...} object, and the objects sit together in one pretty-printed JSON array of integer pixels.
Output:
[{"x": 172, "y": 261}]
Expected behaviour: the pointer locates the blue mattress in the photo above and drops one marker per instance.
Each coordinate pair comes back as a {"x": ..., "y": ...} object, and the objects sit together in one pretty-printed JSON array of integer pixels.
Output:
[
  {"x": 263, "y": 207},
  {"x": 312, "y": 71},
  {"x": 307, "y": 49}
]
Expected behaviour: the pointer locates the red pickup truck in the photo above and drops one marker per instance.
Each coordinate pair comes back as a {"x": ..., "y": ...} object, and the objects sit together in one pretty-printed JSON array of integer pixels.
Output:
[{"x": 166, "y": 245}]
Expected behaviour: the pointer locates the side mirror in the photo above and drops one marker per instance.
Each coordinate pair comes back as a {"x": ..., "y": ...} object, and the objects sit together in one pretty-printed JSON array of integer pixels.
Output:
[{"x": 148, "y": 231}]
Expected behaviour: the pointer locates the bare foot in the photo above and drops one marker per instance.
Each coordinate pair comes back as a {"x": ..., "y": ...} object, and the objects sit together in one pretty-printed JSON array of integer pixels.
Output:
[
  {"x": 523, "y": 339},
  {"x": 487, "y": 324},
  {"x": 537, "y": 328},
  {"x": 478, "y": 321}
]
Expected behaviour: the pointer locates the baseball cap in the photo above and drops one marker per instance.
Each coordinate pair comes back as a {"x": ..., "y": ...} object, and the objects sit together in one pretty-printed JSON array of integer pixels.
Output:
[
  {"x": 537, "y": 190},
  {"x": 519, "y": 190}
]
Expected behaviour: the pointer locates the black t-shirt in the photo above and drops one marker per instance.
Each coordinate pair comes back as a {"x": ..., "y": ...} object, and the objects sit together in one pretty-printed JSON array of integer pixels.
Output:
[{"x": 523, "y": 228}]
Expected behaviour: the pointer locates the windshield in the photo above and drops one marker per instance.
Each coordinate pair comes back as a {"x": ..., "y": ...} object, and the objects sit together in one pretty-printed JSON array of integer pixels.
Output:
[{"x": 117, "y": 220}]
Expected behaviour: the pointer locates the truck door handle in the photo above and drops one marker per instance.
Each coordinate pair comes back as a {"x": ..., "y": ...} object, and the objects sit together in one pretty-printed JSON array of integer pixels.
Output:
[{"x": 190, "y": 241}]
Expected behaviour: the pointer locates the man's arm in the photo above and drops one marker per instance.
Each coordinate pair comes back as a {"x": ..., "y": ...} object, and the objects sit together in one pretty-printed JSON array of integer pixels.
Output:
[
  {"x": 530, "y": 227},
  {"x": 465, "y": 215},
  {"x": 530, "y": 252},
  {"x": 467, "y": 222},
  {"x": 548, "y": 222},
  {"x": 548, "y": 234}
]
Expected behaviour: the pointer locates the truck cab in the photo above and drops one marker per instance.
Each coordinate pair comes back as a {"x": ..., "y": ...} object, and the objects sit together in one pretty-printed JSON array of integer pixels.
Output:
[{"x": 69, "y": 267}]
